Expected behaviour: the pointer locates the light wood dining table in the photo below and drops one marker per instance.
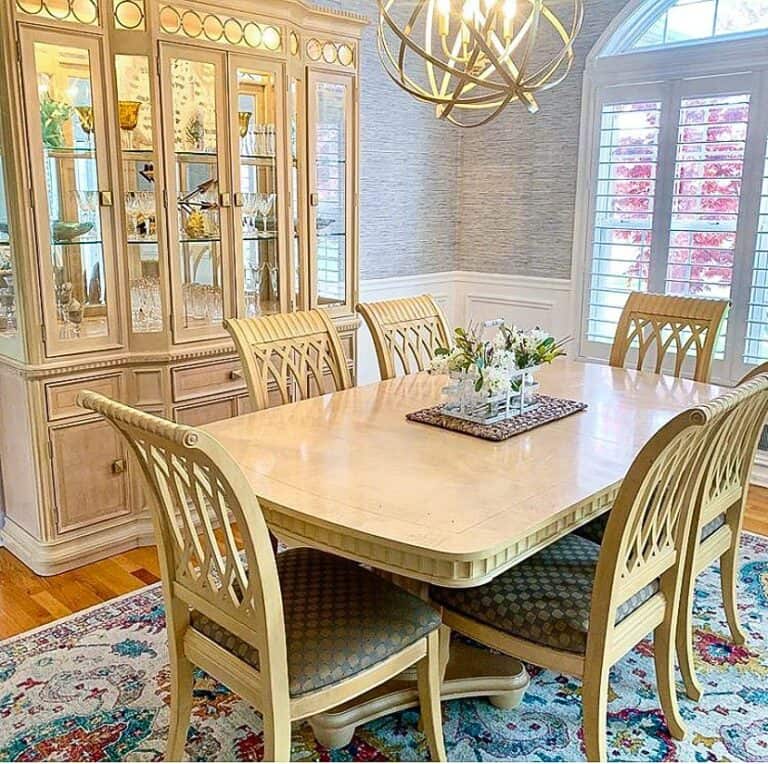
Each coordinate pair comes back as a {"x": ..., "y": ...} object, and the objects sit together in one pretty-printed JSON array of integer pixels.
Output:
[{"x": 347, "y": 473}]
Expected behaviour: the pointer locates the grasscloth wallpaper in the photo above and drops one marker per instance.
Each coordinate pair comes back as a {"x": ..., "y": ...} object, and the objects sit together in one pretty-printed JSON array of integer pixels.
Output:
[
  {"x": 497, "y": 199},
  {"x": 518, "y": 173},
  {"x": 409, "y": 174}
]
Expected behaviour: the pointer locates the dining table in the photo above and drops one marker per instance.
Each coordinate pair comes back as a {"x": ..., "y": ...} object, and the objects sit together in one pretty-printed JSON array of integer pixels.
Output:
[{"x": 347, "y": 473}]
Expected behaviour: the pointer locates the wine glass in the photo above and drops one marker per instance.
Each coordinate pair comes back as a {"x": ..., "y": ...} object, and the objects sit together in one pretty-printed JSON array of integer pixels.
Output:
[
  {"x": 266, "y": 201},
  {"x": 88, "y": 203},
  {"x": 250, "y": 207},
  {"x": 253, "y": 281}
]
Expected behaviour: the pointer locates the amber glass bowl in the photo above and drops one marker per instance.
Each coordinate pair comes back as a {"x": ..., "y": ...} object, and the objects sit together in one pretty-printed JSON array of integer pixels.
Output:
[{"x": 128, "y": 114}]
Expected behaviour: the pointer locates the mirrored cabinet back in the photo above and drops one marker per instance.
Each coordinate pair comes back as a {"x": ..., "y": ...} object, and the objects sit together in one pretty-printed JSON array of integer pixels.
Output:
[{"x": 163, "y": 166}]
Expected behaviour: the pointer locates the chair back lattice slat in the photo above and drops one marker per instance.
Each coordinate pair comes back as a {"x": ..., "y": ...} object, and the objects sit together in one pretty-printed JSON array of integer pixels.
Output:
[
  {"x": 657, "y": 325},
  {"x": 199, "y": 496},
  {"x": 295, "y": 354},
  {"x": 731, "y": 457},
  {"x": 648, "y": 526},
  {"x": 405, "y": 333}
]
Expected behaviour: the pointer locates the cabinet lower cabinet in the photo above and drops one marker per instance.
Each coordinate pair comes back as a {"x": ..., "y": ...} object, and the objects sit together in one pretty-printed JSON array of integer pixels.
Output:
[{"x": 90, "y": 476}]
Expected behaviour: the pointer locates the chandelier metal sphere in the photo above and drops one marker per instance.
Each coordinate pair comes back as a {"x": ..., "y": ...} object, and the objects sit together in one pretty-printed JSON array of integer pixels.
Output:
[{"x": 470, "y": 58}]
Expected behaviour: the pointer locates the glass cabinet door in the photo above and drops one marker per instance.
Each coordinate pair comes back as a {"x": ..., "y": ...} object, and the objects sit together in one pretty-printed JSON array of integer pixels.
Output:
[
  {"x": 331, "y": 144},
  {"x": 195, "y": 103},
  {"x": 258, "y": 148},
  {"x": 66, "y": 120},
  {"x": 142, "y": 225},
  {"x": 9, "y": 322}
]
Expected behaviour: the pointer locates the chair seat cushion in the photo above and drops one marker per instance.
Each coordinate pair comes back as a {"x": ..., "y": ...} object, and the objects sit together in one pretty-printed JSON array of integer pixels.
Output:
[
  {"x": 340, "y": 619},
  {"x": 715, "y": 524},
  {"x": 545, "y": 599},
  {"x": 595, "y": 529}
]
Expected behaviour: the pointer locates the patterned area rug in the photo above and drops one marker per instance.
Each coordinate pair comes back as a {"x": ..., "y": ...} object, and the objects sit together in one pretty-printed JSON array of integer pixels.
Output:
[{"x": 95, "y": 687}]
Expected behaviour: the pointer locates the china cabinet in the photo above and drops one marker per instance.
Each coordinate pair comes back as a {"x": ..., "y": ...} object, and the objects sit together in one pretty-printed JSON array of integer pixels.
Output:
[{"x": 163, "y": 165}]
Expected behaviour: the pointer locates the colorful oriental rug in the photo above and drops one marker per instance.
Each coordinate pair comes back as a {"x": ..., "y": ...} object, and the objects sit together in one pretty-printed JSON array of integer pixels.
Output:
[{"x": 95, "y": 687}]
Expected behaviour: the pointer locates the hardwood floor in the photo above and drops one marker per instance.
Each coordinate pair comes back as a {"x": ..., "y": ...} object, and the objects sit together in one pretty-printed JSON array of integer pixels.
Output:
[{"x": 28, "y": 600}]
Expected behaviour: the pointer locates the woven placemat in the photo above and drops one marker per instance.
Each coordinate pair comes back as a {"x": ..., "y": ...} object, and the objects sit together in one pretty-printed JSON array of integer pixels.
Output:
[{"x": 549, "y": 410}]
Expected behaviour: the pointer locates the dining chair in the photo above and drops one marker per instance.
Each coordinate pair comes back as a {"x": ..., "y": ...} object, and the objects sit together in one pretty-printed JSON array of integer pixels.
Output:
[
  {"x": 719, "y": 515},
  {"x": 293, "y": 635},
  {"x": 656, "y": 324},
  {"x": 405, "y": 332},
  {"x": 296, "y": 353},
  {"x": 576, "y": 607}
]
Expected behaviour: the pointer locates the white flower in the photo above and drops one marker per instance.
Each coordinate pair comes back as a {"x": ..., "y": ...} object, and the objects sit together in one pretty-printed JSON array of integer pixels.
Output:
[
  {"x": 439, "y": 364},
  {"x": 496, "y": 380}
]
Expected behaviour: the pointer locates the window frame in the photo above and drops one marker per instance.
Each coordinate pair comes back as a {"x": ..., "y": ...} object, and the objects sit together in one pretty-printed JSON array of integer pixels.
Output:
[{"x": 709, "y": 67}]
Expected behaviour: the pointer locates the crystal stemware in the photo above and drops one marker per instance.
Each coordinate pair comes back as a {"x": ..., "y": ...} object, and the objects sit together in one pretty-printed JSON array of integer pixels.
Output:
[{"x": 266, "y": 201}]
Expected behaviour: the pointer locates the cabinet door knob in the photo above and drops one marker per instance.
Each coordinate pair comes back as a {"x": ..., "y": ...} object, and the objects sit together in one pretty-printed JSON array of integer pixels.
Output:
[
  {"x": 237, "y": 199},
  {"x": 235, "y": 374},
  {"x": 314, "y": 199},
  {"x": 225, "y": 199},
  {"x": 105, "y": 198},
  {"x": 118, "y": 466}
]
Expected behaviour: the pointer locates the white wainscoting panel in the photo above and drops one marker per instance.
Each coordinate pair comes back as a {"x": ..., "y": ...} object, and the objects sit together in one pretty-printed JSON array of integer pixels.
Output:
[{"x": 471, "y": 296}]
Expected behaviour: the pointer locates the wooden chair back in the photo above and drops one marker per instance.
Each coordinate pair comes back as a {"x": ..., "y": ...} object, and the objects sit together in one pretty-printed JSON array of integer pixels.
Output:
[
  {"x": 197, "y": 494},
  {"x": 657, "y": 324},
  {"x": 646, "y": 538},
  {"x": 297, "y": 353},
  {"x": 732, "y": 454},
  {"x": 405, "y": 333}
]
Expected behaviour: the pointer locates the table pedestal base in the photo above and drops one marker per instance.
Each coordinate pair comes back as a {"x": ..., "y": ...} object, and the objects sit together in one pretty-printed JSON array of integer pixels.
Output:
[{"x": 471, "y": 672}]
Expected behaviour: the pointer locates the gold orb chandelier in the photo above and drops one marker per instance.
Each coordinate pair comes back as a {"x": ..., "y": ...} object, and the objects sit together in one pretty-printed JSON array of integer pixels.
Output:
[{"x": 470, "y": 58}]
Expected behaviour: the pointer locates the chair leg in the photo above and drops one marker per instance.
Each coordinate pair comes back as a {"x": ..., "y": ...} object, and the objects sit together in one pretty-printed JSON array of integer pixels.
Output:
[
  {"x": 664, "y": 658},
  {"x": 428, "y": 672},
  {"x": 729, "y": 572},
  {"x": 594, "y": 702},
  {"x": 182, "y": 679},
  {"x": 277, "y": 735},
  {"x": 684, "y": 635}
]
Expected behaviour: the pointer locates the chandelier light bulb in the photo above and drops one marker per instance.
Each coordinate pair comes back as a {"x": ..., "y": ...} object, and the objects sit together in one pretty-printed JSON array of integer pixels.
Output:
[{"x": 471, "y": 58}]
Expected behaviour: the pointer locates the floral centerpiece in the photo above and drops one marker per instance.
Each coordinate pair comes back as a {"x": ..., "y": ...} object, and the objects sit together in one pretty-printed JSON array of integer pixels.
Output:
[{"x": 494, "y": 379}]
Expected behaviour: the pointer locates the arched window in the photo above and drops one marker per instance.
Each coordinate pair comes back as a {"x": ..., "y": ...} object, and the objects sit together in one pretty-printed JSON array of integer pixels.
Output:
[{"x": 673, "y": 183}]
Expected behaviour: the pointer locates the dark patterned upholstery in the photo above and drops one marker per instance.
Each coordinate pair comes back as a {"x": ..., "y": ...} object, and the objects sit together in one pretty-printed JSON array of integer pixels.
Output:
[
  {"x": 340, "y": 619},
  {"x": 712, "y": 526},
  {"x": 595, "y": 530},
  {"x": 545, "y": 599}
]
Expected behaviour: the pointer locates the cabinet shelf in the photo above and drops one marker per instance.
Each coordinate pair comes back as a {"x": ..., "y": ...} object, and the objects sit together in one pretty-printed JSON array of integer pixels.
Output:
[
  {"x": 75, "y": 242},
  {"x": 138, "y": 153},
  {"x": 197, "y": 155},
  {"x": 271, "y": 236},
  {"x": 269, "y": 159}
]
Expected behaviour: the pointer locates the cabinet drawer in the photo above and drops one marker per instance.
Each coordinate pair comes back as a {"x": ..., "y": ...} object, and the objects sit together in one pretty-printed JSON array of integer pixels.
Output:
[
  {"x": 190, "y": 382},
  {"x": 204, "y": 413},
  {"x": 90, "y": 475},
  {"x": 60, "y": 396}
]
